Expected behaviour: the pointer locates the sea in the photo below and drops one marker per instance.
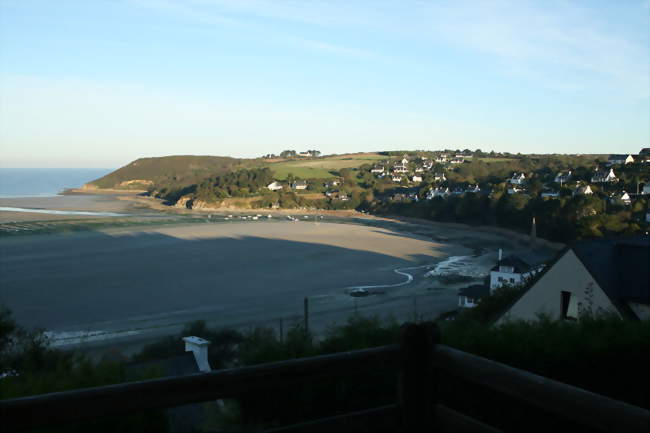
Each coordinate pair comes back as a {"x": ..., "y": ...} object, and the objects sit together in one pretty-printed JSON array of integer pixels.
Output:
[{"x": 45, "y": 182}]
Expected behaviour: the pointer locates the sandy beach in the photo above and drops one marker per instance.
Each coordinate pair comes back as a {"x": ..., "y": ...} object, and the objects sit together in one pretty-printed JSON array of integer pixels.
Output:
[{"x": 111, "y": 285}]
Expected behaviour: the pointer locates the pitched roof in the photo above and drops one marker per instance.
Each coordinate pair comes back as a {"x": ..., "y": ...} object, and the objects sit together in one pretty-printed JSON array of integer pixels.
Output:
[
  {"x": 619, "y": 266},
  {"x": 522, "y": 262},
  {"x": 475, "y": 291}
]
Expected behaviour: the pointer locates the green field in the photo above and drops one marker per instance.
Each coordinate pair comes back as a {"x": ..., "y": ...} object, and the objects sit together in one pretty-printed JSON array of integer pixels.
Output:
[
  {"x": 495, "y": 159},
  {"x": 321, "y": 168}
]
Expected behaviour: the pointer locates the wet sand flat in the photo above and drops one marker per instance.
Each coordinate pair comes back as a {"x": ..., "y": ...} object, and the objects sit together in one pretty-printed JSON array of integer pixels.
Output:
[{"x": 134, "y": 279}]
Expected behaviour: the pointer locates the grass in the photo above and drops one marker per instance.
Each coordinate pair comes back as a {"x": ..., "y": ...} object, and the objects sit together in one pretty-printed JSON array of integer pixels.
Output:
[
  {"x": 321, "y": 168},
  {"x": 282, "y": 170},
  {"x": 495, "y": 159}
]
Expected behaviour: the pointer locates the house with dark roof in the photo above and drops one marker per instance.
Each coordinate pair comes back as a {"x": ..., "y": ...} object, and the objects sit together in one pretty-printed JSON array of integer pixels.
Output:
[
  {"x": 299, "y": 184},
  {"x": 620, "y": 159},
  {"x": 518, "y": 179},
  {"x": 514, "y": 270},
  {"x": 602, "y": 176},
  {"x": 591, "y": 277},
  {"x": 563, "y": 177},
  {"x": 470, "y": 297}
]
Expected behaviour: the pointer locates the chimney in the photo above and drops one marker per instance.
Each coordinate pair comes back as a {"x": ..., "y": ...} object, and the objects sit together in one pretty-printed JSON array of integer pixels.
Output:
[
  {"x": 199, "y": 347},
  {"x": 500, "y": 254}
]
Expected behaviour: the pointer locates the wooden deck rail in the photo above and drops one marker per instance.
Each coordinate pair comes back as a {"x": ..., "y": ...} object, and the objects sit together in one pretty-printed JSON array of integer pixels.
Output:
[{"x": 418, "y": 360}]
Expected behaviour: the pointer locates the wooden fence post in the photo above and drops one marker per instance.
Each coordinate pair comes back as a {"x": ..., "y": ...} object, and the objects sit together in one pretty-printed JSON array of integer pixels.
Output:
[{"x": 417, "y": 384}]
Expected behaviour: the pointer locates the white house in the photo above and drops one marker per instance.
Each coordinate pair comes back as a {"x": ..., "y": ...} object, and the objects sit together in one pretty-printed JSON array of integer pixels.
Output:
[
  {"x": 470, "y": 297},
  {"x": 299, "y": 184},
  {"x": 583, "y": 190},
  {"x": 604, "y": 176},
  {"x": 274, "y": 186},
  {"x": 437, "y": 192},
  {"x": 563, "y": 177},
  {"x": 457, "y": 160},
  {"x": 377, "y": 169},
  {"x": 515, "y": 190},
  {"x": 473, "y": 188},
  {"x": 514, "y": 270},
  {"x": 441, "y": 159},
  {"x": 439, "y": 177},
  {"x": 427, "y": 165},
  {"x": 621, "y": 197},
  {"x": 620, "y": 159},
  {"x": 594, "y": 276},
  {"x": 416, "y": 178},
  {"x": 400, "y": 168},
  {"x": 518, "y": 179},
  {"x": 404, "y": 161},
  {"x": 396, "y": 178}
]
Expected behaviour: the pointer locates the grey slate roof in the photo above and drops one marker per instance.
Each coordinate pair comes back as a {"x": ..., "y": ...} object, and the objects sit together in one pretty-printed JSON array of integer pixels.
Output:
[
  {"x": 620, "y": 266},
  {"x": 475, "y": 291},
  {"x": 522, "y": 262}
]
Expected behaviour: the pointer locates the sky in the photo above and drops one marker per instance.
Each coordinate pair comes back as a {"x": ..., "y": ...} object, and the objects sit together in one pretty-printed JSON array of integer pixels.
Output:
[{"x": 100, "y": 83}]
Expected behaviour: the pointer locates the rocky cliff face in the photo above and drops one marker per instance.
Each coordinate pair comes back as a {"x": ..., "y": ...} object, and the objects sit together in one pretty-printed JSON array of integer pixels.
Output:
[
  {"x": 134, "y": 182},
  {"x": 185, "y": 202},
  {"x": 200, "y": 204}
]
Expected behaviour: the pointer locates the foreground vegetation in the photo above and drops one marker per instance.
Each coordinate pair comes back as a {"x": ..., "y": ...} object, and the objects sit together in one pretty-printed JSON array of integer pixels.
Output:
[{"x": 602, "y": 354}]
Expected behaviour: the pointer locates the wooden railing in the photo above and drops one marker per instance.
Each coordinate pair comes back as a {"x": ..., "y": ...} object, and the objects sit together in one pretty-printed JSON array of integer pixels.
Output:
[{"x": 419, "y": 361}]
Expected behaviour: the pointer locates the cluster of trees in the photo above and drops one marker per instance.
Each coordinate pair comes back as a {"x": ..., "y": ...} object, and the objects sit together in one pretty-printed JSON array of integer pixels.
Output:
[
  {"x": 293, "y": 153},
  {"x": 564, "y": 219},
  {"x": 241, "y": 183}
]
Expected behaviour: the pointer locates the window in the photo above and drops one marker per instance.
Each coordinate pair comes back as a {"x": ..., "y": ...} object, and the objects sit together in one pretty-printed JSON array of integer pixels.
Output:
[
  {"x": 568, "y": 307},
  {"x": 512, "y": 280},
  {"x": 506, "y": 269},
  {"x": 500, "y": 279}
]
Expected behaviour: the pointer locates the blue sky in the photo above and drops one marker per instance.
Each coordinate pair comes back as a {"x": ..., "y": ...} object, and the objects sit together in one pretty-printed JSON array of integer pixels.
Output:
[{"x": 100, "y": 83}]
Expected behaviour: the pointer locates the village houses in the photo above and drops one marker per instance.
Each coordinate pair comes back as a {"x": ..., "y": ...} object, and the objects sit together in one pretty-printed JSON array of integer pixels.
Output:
[{"x": 518, "y": 179}]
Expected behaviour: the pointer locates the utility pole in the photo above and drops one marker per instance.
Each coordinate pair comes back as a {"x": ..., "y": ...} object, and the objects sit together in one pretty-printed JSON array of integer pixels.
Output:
[{"x": 306, "y": 315}]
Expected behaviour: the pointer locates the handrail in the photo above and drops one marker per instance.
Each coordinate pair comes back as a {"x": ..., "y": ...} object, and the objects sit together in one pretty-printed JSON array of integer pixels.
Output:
[
  {"x": 575, "y": 404},
  {"x": 589, "y": 409},
  {"x": 89, "y": 403}
]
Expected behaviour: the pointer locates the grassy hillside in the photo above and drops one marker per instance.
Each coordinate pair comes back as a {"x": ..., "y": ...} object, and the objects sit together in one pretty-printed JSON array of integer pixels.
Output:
[
  {"x": 321, "y": 167},
  {"x": 181, "y": 170},
  {"x": 186, "y": 170}
]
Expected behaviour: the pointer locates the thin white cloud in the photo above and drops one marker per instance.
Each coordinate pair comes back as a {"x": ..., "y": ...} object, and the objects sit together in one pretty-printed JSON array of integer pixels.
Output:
[
  {"x": 554, "y": 37},
  {"x": 229, "y": 15},
  {"x": 556, "y": 43}
]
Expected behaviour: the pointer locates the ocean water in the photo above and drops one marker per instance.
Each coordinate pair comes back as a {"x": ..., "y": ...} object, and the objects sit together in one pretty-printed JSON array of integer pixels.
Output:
[{"x": 45, "y": 182}]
